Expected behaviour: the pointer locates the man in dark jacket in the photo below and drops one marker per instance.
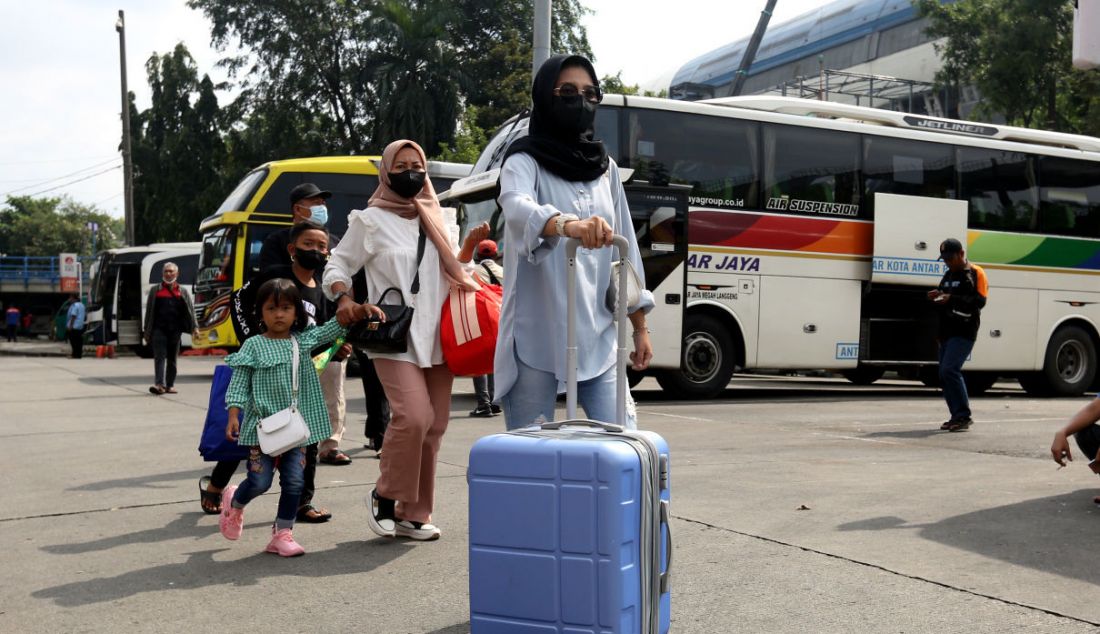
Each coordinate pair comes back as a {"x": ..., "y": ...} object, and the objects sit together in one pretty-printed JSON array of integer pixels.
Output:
[
  {"x": 169, "y": 312},
  {"x": 960, "y": 298}
]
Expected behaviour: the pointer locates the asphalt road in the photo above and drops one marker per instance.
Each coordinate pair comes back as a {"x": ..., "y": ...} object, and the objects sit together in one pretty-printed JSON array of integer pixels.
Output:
[{"x": 800, "y": 505}]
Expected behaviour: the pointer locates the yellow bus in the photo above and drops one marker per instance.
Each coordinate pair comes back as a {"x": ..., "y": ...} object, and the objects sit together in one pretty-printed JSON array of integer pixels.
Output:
[{"x": 259, "y": 205}]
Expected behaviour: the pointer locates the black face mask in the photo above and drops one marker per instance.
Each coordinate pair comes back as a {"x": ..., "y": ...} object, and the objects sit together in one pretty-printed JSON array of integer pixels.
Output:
[
  {"x": 408, "y": 183},
  {"x": 573, "y": 116},
  {"x": 310, "y": 260}
]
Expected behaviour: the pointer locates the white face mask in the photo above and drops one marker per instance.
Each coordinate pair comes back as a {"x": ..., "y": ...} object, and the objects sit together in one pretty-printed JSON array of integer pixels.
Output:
[{"x": 319, "y": 214}]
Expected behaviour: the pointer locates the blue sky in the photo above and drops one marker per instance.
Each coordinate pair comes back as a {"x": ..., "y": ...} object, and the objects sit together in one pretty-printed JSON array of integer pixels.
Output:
[{"x": 59, "y": 120}]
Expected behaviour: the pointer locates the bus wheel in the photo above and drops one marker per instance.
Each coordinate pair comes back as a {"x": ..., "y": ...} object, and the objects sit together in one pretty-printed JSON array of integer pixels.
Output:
[
  {"x": 1068, "y": 368},
  {"x": 707, "y": 360},
  {"x": 144, "y": 351},
  {"x": 978, "y": 383},
  {"x": 864, "y": 374}
]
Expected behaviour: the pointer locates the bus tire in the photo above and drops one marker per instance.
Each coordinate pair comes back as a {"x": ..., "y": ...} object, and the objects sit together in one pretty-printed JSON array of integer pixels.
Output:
[
  {"x": 864, "y": 374},
  {"x": 144, "y": 351},
  {"x": 978, "y": 383},
  {"x": 1069, "y": 366},
  {"x": 707, "y": 360}
]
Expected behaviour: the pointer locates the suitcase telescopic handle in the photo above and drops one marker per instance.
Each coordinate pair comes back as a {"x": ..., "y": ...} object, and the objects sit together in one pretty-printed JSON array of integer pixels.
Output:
[
  {"x": 622, "y": 246},
  {"x": 583, "y": 422},
  {"x": 666, "y": 575}
]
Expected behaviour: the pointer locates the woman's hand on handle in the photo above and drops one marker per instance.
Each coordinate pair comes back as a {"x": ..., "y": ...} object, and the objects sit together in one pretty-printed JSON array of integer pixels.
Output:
[
  {"x": 593, "y": 232},
  {"x": 370, "y": 311},
  {"x": 643, "y": 351}
]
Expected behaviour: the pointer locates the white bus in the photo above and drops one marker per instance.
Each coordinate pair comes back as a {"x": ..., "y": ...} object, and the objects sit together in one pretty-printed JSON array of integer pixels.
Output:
[
  {"x": 120, "y": 281},
  {"x": 813, "y": 232}
]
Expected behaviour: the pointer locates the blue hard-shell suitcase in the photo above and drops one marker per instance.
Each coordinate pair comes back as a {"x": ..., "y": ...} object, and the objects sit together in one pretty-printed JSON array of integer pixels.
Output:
[{"x": 569, "y": 524}]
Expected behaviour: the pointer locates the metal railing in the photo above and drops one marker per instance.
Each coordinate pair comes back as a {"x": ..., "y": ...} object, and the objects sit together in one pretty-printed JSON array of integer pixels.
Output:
[{"x": 27, "y": 269}]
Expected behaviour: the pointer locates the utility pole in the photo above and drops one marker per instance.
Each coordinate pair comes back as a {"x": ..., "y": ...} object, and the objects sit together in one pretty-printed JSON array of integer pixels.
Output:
[
  {"x": 127, "y": 158},
  {"x": 542, "y": 34},
  {"x": 750, "y": 51}
]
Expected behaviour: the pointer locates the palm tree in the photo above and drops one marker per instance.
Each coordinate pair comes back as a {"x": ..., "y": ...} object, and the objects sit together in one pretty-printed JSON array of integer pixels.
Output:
[{"x": 418, "y": 78}]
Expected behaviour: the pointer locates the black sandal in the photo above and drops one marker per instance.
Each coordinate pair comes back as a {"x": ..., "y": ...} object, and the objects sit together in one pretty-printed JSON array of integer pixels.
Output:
[
  {"x": 319, "y": 518},
  {"x": 211, "y": 502}
]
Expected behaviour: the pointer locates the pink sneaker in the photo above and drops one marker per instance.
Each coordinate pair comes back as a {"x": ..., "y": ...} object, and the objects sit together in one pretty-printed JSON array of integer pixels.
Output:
[
  {"x": 282, "y": 543},
  {"x": 232, "y": 520}
]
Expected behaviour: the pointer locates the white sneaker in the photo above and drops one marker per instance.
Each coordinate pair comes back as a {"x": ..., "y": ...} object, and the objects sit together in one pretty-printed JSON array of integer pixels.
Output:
[
  {"x": 381, "y": 525},
  {"x": 416, "y": 530}
]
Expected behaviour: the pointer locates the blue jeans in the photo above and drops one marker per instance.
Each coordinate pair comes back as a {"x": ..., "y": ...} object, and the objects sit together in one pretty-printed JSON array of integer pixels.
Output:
[
  {"x": 953, "y": 353},
  {"x": 261, "y": 473},
  {"x": 535, "y": 394}
]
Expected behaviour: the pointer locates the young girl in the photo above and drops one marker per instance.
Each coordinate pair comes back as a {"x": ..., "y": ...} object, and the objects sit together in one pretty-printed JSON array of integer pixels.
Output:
[{"x": 261, "y": 384}]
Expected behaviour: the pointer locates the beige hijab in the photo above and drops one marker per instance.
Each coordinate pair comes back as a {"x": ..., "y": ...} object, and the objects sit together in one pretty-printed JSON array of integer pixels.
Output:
[{"x": 426, "y": 206}]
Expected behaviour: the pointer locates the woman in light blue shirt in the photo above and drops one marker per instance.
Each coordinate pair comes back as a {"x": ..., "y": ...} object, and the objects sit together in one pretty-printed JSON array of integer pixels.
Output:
[{"x": 559, "y": 182}]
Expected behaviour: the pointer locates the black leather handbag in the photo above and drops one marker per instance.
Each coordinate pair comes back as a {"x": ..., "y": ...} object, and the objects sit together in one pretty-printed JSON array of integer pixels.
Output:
[{"x": 390, "y": 336}]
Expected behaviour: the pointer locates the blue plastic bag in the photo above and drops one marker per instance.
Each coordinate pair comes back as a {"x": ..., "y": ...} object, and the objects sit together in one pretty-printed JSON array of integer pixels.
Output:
[{"x": 213, "y": 445}]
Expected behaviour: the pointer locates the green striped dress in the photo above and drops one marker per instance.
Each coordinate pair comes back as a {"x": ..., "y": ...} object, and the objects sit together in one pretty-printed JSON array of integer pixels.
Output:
[{"x": 261, "y": 383}]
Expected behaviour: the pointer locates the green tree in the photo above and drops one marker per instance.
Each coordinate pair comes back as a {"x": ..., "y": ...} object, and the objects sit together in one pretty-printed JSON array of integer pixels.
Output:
[
  {"x": 1017, "y": 53},
  {"x": 48, "y": 226},
  {"x": 469, "y": 140},
  {"x": 417, "y": 76},
  {"x": 494, "y": 45},
  {"x": 307, "y": 59},
  {"x": 179, "y": 152}
]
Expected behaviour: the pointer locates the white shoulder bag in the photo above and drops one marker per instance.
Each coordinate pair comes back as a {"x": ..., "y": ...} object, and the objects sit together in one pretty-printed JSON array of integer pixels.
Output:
[{"x": 285, "y": 429}]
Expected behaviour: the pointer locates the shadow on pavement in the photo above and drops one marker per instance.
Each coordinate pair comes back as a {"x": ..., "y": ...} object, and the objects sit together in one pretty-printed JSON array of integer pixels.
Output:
[
  {"x": 461, "y": 628},
  {"x": 149, "y": 379},
  {"x": 1052, "y": 534},
  {"x": 201, "y": 570},
  {"x": 909, "y": 433},
  {"x": 142, "y": 482},
  {"x": 186, "y": 526}
]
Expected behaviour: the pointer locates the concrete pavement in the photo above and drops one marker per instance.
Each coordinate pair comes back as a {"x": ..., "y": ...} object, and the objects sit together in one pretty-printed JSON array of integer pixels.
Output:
[{"x": 800, "y": 505}]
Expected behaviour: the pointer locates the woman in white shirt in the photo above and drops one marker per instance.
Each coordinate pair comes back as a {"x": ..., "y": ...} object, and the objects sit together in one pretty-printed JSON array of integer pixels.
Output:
[{"x": 382, "y": 239}]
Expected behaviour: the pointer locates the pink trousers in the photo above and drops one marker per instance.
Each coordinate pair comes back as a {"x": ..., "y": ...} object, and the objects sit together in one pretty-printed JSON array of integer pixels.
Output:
[{"x": 420, "y": 407}]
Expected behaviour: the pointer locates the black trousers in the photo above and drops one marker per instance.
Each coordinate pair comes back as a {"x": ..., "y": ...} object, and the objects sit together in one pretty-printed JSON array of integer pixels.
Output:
[
  {"x": 1088, "y": 439},
  {"x": 224, "y": 470},
  {"x": 166, "y": 346},
  {"x": 11, "y": 332},
  {"x": 378, "y": 407},
  {"x": 76, "y": 341}
]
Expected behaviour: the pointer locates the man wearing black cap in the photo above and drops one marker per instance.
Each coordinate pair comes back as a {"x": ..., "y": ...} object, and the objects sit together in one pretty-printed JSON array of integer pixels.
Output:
[
  {"x": 960, "y": 297},
  {"x": 307, "y": 202}
]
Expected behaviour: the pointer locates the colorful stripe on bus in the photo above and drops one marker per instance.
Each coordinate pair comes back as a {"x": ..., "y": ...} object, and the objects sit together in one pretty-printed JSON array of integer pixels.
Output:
[
  {"x": 782, "y": 233},
  {"x": 805, "y": 234}
]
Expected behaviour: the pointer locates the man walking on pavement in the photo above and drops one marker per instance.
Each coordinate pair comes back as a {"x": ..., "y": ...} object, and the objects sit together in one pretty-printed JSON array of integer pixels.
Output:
[
  {"x": 169, "y": 312},
  {"x": 74, "y": 326},
  {"x": 490, "y": 272},
  {"x": 960, "y": 298}
]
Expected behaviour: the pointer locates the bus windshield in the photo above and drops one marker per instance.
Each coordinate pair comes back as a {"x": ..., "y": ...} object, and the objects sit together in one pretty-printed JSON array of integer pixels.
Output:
[{"x": 242, "y": 193}]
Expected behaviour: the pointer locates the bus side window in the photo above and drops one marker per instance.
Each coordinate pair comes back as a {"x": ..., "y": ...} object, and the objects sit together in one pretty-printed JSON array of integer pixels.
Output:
[
  {"x": 715, "y": 155},
  {"x": 809, "y": 165},
  {"x": 1069, "y": 199},
  {"x": 1000, "y": 187},
  {"x": 902, "y": 166}
]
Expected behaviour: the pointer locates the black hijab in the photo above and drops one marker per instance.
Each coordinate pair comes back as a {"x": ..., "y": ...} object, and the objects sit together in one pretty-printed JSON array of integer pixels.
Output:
[{"x": 572, "y": 156}]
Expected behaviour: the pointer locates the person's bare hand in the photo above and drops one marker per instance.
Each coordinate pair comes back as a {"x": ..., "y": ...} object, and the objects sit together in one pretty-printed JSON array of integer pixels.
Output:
[
  {"x": 477, "y": 234},
  {"x": 1059, "y": 449},
  {"x": 343, "y": 353},
  {"x": 347, "y": 313},
  {"x": 643, "y": 351},
  {"x": 233, "y": 428},
  {"x": 934, "y": 293},
  {"x": 370, "y": 311},
  {"x": 593, "y": 232}
]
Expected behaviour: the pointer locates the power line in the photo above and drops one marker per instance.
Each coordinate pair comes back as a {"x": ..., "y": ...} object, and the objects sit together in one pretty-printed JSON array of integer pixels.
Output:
[
  {"x": 59, "y": 160},
  {"x": 73, "y": 182},
  {"x": 57, "y": 178}
]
